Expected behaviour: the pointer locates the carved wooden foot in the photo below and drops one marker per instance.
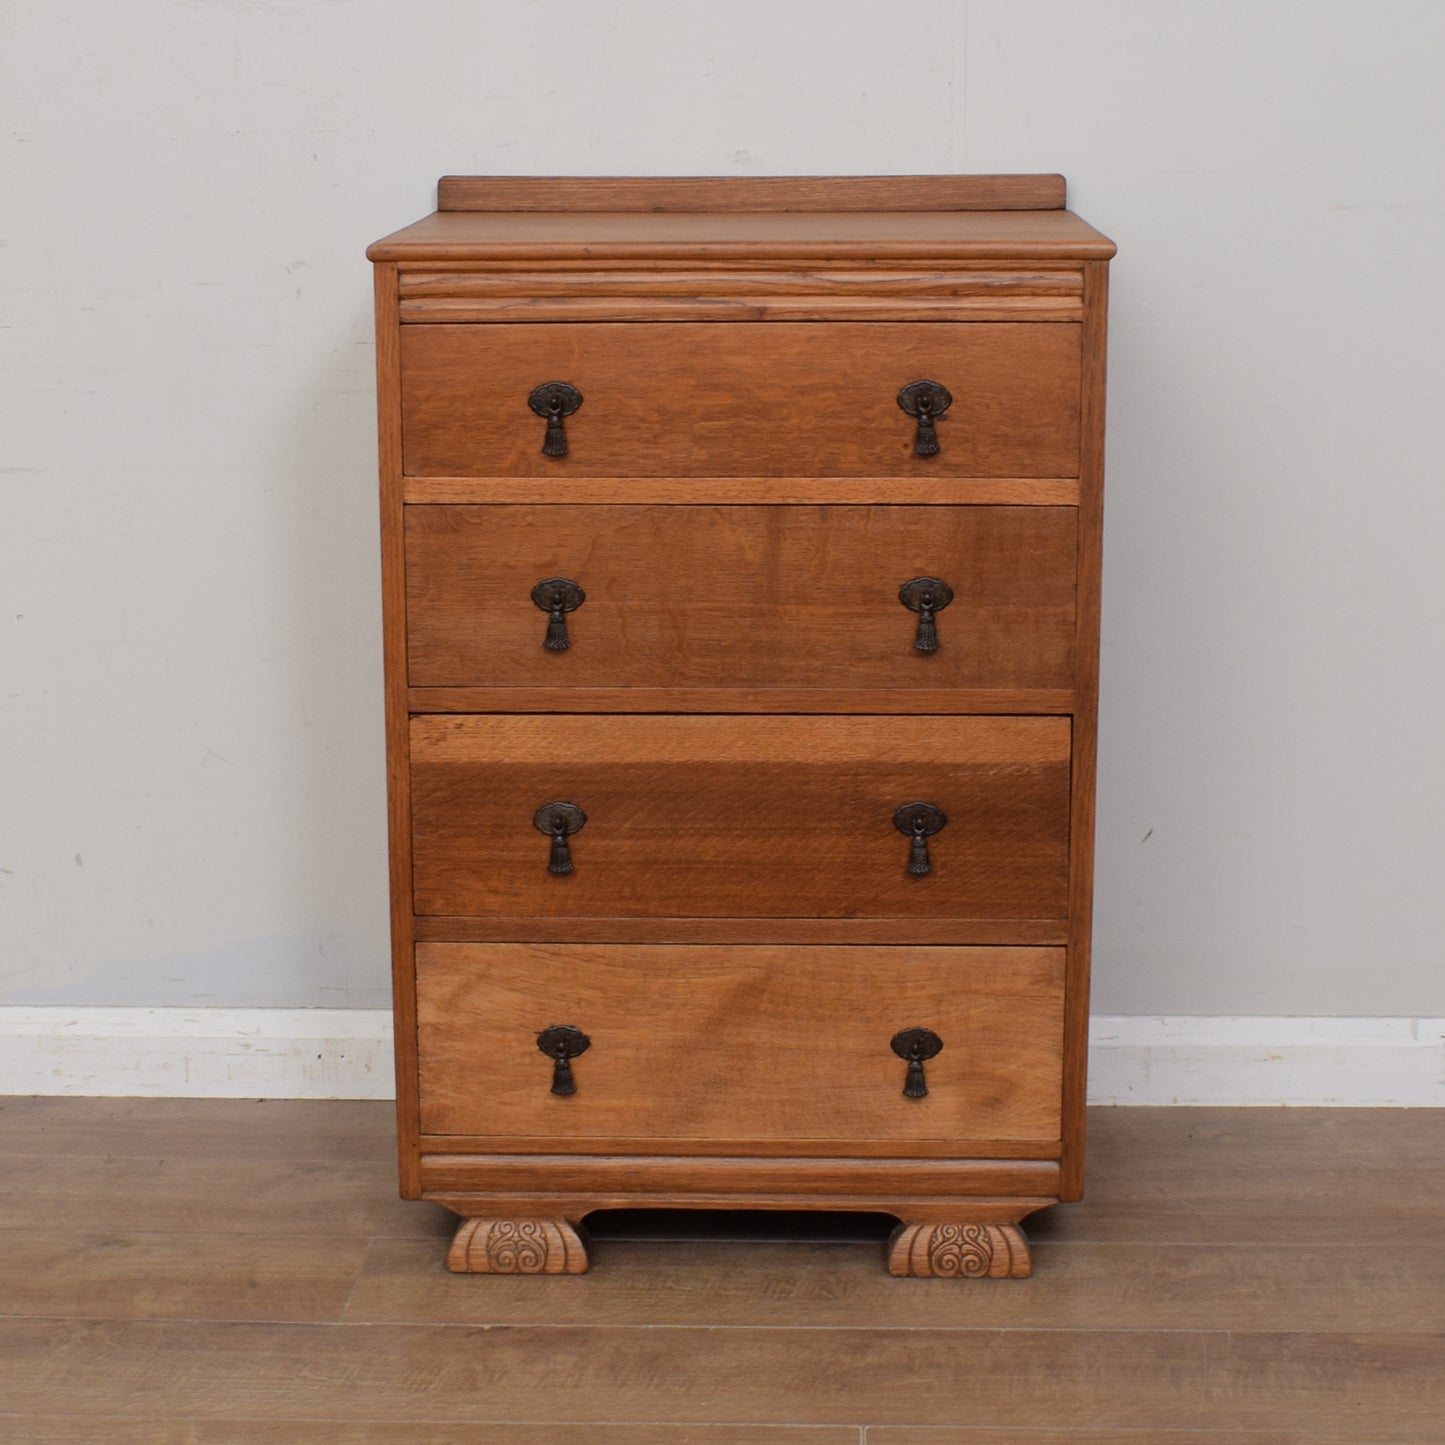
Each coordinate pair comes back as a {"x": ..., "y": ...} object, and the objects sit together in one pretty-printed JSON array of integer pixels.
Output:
[
  {"x": 959, "y": 1251},
  {"x": 517, "y": 1246}
]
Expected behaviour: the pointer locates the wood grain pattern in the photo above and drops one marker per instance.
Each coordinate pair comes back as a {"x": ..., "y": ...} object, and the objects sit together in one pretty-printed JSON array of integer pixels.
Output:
[
  {"x": 1085, "y": 733},
  {"x": 750, "y": 193},
  {"x": 509, "y": 1432},
  {"x": 711, "y": 399},
  {"x": 1259, "y": 1182},
  {"x": 1163, "y": 1435},
  {"x": 509, "y": 928},
  {"x": 815, "y": 282},
  {"x": 1004, "y": 1189},
  {"x": 739, "y": 308},
  {"x": 873, "y": 1148},
  {"x": 165, "y": 1275},
  {"x": 747, "y": 294},
  {"x": 1266, "y": 1176},
  {"x": 272, "y": 1131},
  {"x": 914, "y": 702},
  {"x": 398, "y": 771},
  {"x": 135, "y": 1195},
  {"x": 51, "y": 1429},
  {"x": 929, "y": 491},
  {"x": 150, "y": 1430},
  {"x": 1392, "y": 1384},
  {"x": 923, "y": 240},
  {"x": 795, "y": 1279},
  {"x": 725, "y": 797},
  {"x": 1257, "y": 1337},
  {"x": 714, "y": 597},
  {"x": 591, "y": 1202},
  {"x": 739, "y": 1043}
]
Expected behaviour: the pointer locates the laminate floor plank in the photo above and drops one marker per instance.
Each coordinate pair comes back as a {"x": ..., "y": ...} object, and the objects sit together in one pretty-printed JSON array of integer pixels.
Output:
[
  {"x": 182, "y": 1193},
  {"x": 1074, "y": 1286},
  {"x": 289, "y": 1432},
  {"x": 222, "y": 1276},
  {"x": 1243, "y": 1138},
  {"x": 95, "y": 1430},
  {"x": 1098, "y": 1378},
  {"x": 987, "y": 1434},
  {"x": 1258, "y": 1176},
  {"x": 82, "y": 1430},
  {"x": 268, "y": 1129},
  {"x": 174, "y": 1272}
]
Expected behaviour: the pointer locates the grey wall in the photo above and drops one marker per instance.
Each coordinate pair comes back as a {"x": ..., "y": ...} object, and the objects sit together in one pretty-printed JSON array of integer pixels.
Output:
[{"x": 193, "y": 804}]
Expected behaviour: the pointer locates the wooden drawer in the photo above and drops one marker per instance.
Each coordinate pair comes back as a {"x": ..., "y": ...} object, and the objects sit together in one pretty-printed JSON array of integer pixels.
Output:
[
  {"x": 755, "y": 597},
  {"x": 741, "y": 399},
  {"x": 741, "y": 1043},
  {"x": 741, "y": 817}
]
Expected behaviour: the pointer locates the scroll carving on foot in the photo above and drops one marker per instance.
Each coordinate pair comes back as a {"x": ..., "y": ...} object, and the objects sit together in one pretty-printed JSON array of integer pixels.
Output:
[
  {"x": 959, "y": 1251},
  {"x": 517, "y": 1246}
]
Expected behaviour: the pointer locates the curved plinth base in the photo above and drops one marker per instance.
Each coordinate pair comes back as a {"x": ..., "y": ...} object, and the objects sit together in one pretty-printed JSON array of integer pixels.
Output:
[
  {"x": 959, "y": 1251},
  {"x": 517, "y": 1246},
  {"x": 960, "y": 1218}
]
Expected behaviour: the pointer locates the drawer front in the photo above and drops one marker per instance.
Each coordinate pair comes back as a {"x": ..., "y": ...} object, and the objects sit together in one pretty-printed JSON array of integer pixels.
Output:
[
  {"x": 741, "y": 817},
  {"x": 741, "y": 399},
  {"x": 756, "y": 597},
  {"x": 745, "y": 1043}
]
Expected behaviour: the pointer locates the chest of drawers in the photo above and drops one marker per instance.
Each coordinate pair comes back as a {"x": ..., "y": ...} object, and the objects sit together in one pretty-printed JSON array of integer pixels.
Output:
[{"x": 741, "y": 566}]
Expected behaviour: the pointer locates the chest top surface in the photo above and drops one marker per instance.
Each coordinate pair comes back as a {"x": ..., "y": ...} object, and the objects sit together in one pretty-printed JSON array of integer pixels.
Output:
[{"x": 482, "y": 218}]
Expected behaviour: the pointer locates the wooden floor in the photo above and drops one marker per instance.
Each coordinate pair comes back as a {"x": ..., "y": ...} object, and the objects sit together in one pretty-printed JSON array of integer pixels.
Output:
[{"x": 213, "y": 1271}]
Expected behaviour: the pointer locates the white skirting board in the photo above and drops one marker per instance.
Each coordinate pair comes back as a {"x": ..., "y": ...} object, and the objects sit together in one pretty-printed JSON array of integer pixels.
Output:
[
  {"x": 346, "y": 1054},
  {"x": 1368, "y": 1062},
  {"x": 198, "y": 1053}
]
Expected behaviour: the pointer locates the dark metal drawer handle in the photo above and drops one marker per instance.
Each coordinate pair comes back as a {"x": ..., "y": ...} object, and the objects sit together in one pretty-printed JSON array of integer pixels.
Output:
[
  {"x": 927, "y": 596},
  {"x": 559, "y": 821},
  {"x": 926, "y": 400},
  {"x": 557, "y": 596},
  {"x": 920, "y": 821},
  {"x": 916, "y": 1045},
  {"x": 554, "y": 400},
  {"x": 562, "y": 1043}
]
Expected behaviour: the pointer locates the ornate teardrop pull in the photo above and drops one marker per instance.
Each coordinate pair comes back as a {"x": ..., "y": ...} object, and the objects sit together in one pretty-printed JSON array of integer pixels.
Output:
[
  {"x": 927, "y": 401},
  {"x": 557, "y": 596},
  {"x": 919, "y": 821},
  {"x": 562, "y": 1043},
  {"x": 559, "y": 821},
  {"x": 927, "y": 596},
  {"x": 916, "y": 1045},
  {"x": 552, "y": 401},
  {"x": 926, "y": 442}
]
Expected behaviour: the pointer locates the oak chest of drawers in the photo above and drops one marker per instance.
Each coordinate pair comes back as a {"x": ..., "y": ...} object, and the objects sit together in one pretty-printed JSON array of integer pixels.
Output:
[{"x": 741, "y": 568}]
